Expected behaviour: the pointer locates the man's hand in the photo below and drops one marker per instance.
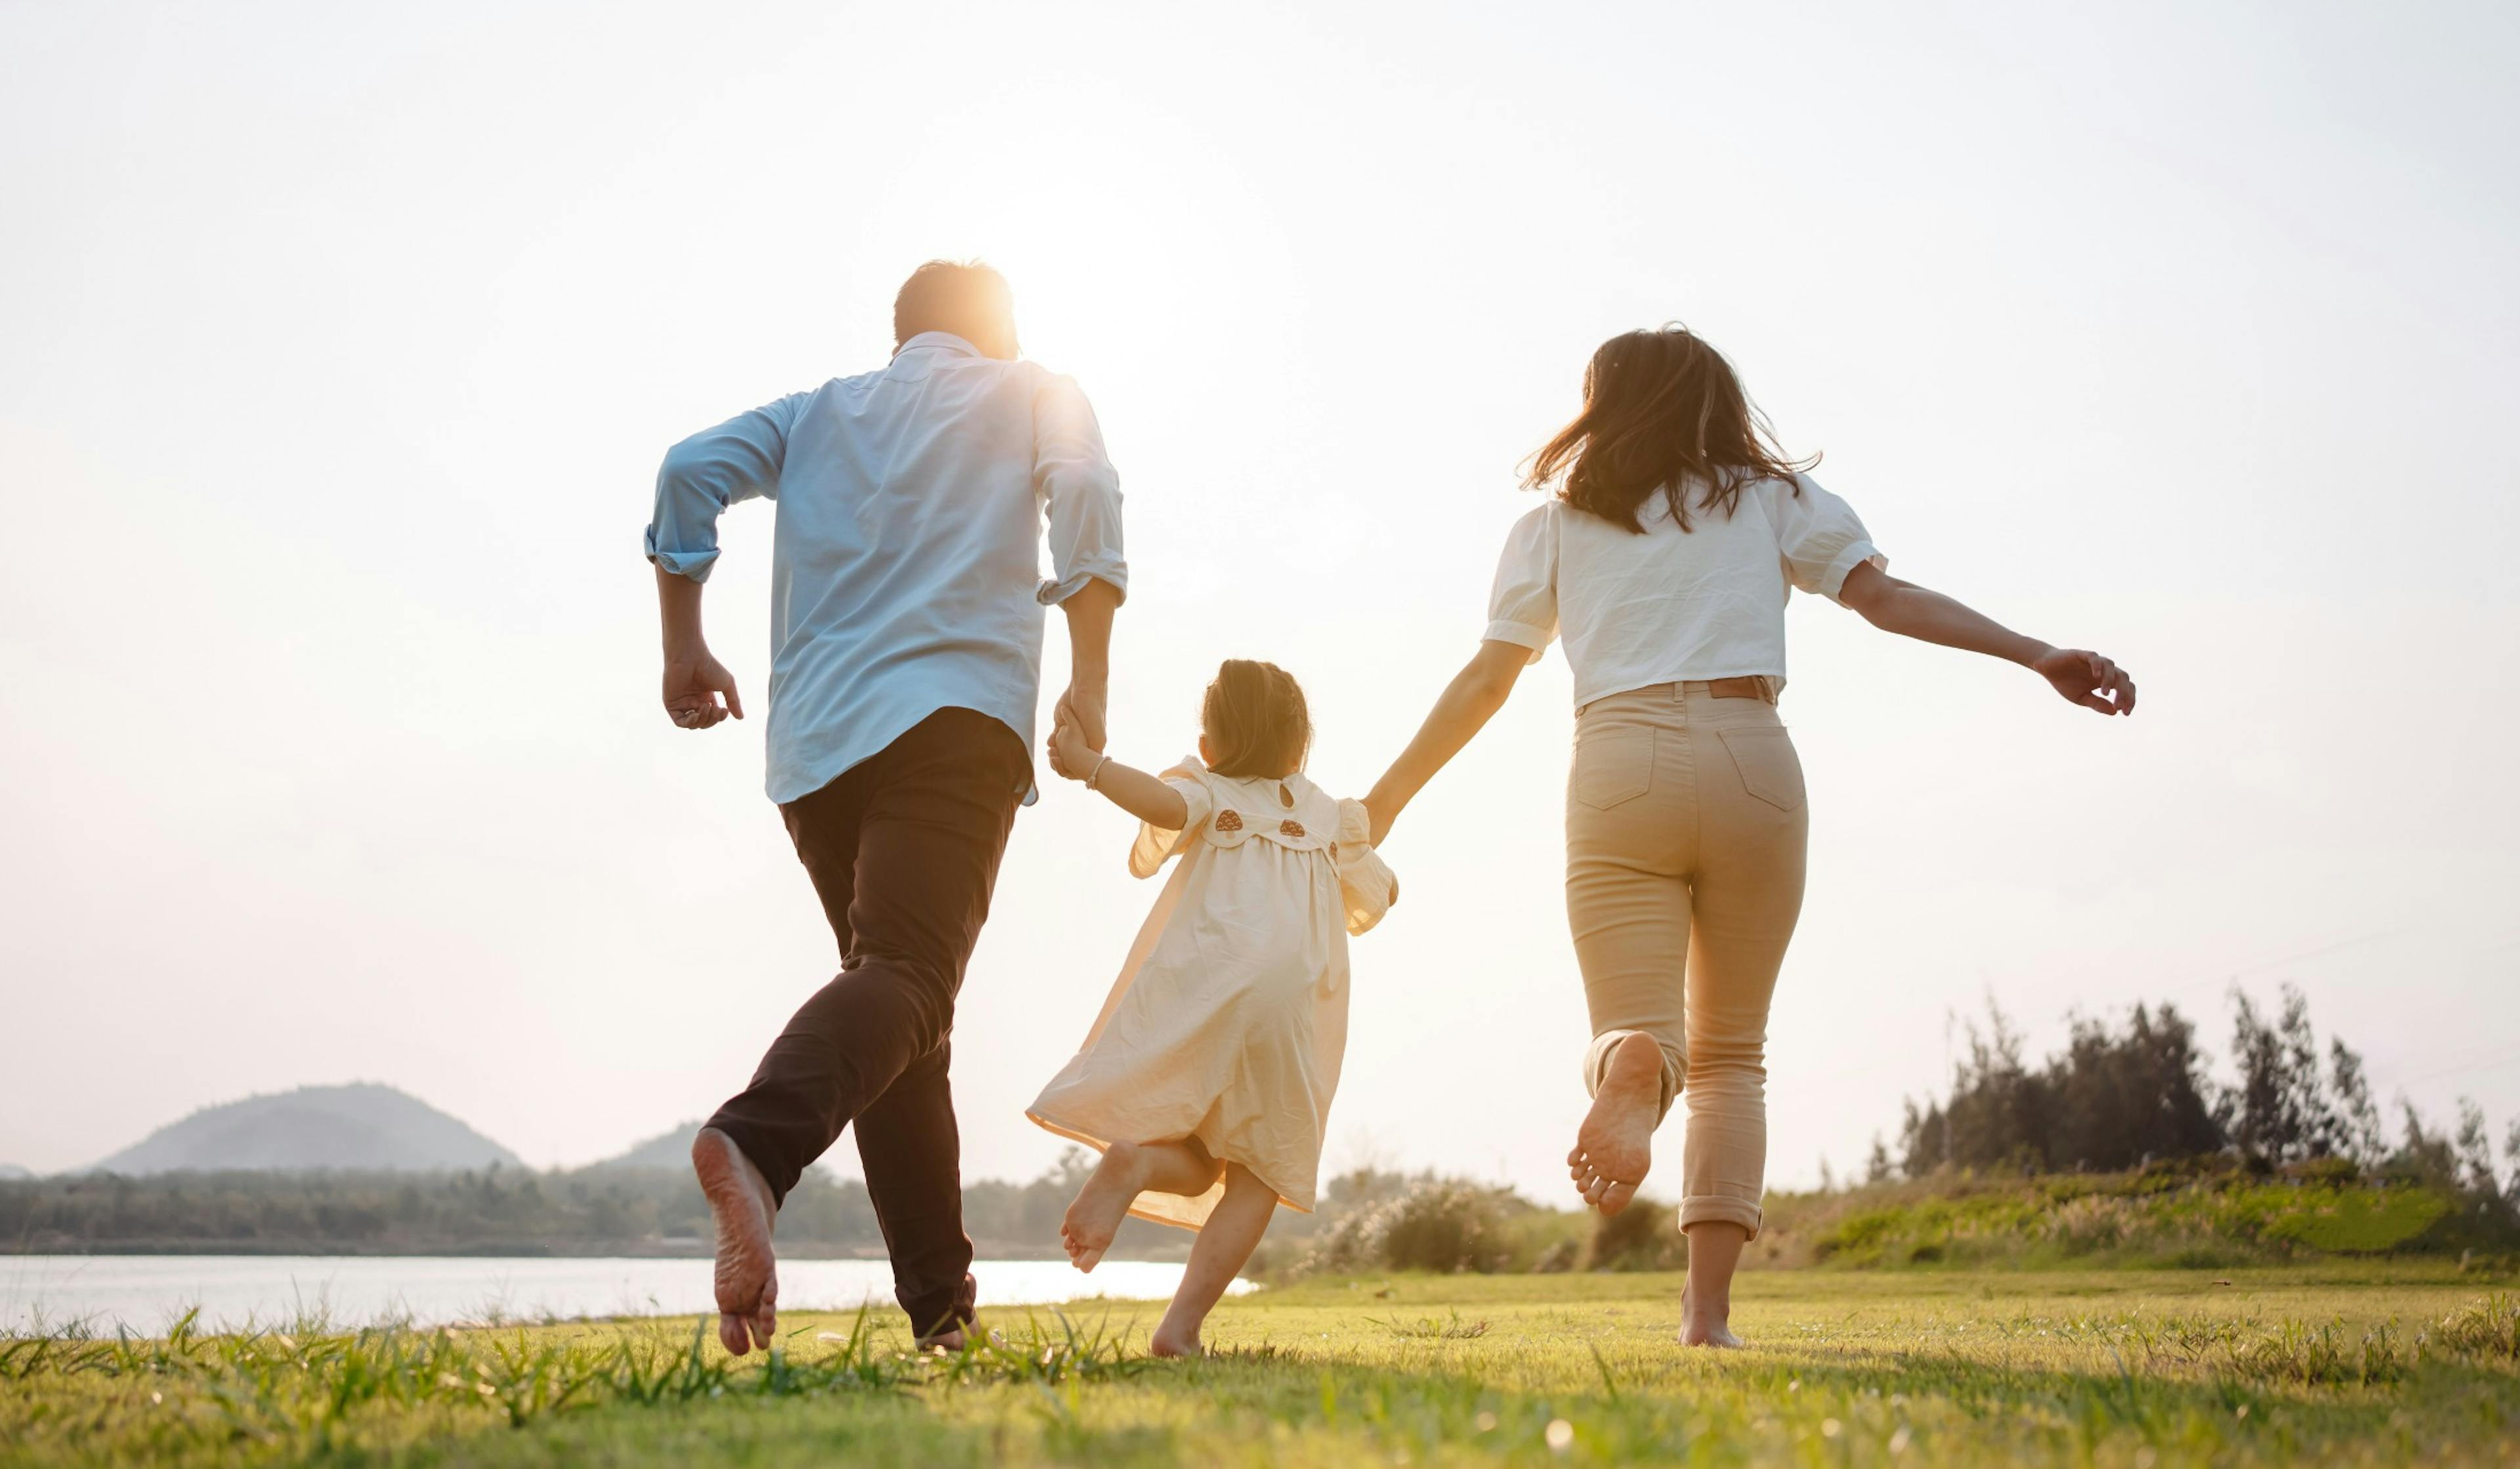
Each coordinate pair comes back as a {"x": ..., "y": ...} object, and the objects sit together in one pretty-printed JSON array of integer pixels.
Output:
[
  {"x": 1070, "y": 757},
  {"x": 2083, "y": 677},
  {"x": 1083, "y": 707},
  {"x": 694, "y": 683}
]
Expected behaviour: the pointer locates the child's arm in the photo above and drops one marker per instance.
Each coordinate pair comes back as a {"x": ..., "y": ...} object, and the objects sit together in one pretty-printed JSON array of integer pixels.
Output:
[{"x": 1133, "y": 790}]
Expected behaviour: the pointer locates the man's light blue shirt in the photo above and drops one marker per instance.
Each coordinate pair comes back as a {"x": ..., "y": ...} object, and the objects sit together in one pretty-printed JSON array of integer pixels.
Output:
[{"x": 906, "y": 567}]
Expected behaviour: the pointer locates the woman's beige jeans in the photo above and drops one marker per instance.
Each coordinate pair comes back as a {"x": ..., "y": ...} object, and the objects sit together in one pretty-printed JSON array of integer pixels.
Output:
[{"x": 1686, "y": 835}]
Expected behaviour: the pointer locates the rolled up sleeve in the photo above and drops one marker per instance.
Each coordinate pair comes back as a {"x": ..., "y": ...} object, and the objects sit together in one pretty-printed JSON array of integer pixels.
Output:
[
  {"x": 1821, "y": 537},
  {"x": 1074, "y": 478},
  {"x": 1523, "y": 606},
  {"x": 737, "y": 459}
]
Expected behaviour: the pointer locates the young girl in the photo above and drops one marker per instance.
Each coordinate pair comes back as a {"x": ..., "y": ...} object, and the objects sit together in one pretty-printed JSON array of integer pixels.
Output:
[{"x": 1207, "y": 1079}]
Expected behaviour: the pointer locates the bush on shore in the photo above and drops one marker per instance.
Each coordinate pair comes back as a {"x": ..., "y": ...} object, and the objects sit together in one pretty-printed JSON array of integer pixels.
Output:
[{"x": 2203, "y": 1213}]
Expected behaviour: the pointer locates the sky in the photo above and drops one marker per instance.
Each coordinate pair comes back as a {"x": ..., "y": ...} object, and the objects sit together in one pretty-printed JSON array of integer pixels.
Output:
[{"x": 338, "y": 347}]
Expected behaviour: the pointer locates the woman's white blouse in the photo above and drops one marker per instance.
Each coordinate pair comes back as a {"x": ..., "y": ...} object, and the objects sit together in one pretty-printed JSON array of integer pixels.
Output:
[{"x": 1668, "y": 606}]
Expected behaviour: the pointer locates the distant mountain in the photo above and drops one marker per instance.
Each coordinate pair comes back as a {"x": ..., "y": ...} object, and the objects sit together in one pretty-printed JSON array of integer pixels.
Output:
[
  {"x": 671, "y": 1148},
  {"x": 360, "y": 1126}
]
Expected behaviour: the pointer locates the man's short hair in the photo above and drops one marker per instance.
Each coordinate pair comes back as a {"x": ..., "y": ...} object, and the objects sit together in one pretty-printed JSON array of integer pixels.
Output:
[{"x": 962, "y": 296}]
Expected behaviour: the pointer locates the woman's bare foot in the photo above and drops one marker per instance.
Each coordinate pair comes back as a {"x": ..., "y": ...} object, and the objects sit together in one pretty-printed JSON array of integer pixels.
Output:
[
  {"x": 1614, "y": 1148},
  {"x": 747, "y": 1273},
  {"x": 1103, "y": 1203},
  {"x": 1710, "y": 1328},
  {"x": 1166, "y": 1342}
]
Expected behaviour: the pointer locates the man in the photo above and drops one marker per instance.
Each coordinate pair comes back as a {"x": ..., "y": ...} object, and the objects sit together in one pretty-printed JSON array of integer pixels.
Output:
[{"x": 906, "y": 630}]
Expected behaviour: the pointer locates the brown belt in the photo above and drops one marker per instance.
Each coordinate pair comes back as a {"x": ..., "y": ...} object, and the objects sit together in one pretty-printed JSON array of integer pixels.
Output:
[{"x": 1749, "y": 686}]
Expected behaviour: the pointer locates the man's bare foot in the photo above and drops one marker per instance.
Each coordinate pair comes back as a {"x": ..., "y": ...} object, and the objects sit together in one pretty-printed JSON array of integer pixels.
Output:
[
  {"x": 1614, "y": 1147},
  {"x": 949, "y": 1340},
  {"x": 1167, "y": 1341},
  {"x": 747, "y": 1273},
  {"x": 1712, "y": 1328},
  {"x": 1101, "y": 1204}
]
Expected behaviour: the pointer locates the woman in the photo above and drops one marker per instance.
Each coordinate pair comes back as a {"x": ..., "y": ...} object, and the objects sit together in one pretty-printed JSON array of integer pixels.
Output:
[{"x": 1664, "y": 558}]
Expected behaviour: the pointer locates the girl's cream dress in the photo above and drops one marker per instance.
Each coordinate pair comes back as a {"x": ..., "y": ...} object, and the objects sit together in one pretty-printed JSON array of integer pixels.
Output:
[{"x": 1230, "y": 1015}]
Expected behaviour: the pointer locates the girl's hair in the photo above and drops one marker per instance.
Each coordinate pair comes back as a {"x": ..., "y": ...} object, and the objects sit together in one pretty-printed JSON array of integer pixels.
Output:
[
  {"x": 1662, "y": 411},
  {"x": 1255, "y": 721}
]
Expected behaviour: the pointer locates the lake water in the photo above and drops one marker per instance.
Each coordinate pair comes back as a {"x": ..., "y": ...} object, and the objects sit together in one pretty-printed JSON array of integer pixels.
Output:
[{"x": 142, "y": 1293}]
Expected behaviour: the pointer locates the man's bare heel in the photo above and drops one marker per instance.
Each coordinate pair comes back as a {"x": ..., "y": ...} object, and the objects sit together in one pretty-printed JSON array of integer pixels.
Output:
[{"x": 747, "y": 1267}]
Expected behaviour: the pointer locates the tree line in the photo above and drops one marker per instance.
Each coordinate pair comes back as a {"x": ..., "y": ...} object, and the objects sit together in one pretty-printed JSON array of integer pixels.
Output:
[
  {"x": 2120, "y": 1096},
  {"x": 495, "y": 1211}
]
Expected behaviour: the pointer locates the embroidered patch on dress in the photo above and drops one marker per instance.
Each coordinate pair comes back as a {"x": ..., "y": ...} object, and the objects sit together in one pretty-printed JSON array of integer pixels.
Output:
[
  {"x": 1290, "y": 827},
  {"x": 1229, "y": 821}
]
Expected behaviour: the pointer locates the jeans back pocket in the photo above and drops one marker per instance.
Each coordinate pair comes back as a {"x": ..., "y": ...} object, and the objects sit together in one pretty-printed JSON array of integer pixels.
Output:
[
  {"x": 1767, "y": 765},
  {"x": 1613, "y": 764}
]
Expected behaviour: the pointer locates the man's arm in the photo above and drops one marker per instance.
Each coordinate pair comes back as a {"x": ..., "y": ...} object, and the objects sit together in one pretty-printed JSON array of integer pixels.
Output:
[
  {"x": 737, "y": 459},
  {"x": 693, "y": 677},
  {"x": 1089, "y": 612},
  {"x": 1090, "y": 575}
]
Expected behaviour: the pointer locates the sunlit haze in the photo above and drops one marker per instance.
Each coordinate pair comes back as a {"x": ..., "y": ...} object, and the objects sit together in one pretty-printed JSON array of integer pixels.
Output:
[{"x": 339, "y": 345}]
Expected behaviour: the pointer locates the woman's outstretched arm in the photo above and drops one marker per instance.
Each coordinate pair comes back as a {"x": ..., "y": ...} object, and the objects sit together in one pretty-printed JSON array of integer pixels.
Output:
[
  {"x": 1465, "y": 707},
  {"x": 2080, "y": 676}
]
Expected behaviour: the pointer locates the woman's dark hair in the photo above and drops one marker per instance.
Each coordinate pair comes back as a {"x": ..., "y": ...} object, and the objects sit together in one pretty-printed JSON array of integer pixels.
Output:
[
  {"x": 1662, "y": 411},
  {"x": 1255, "y": 721}
]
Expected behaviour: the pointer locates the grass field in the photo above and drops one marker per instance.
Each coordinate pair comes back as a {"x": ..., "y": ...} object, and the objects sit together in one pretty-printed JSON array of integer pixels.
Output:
[{"x": 2358, "y": 1363}]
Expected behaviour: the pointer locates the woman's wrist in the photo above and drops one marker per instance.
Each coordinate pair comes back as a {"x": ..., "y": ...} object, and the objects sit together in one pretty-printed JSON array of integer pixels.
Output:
[{"x": 1381, "y": 812}]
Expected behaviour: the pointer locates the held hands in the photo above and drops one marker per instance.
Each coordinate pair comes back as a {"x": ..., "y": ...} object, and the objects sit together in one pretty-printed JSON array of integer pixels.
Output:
[
  {"x": 2084, "y": 678},
  {"x": 694, "y": 684},
  {"x": 1072, "y": 753},
  {"x": 1083, "y": 707}
]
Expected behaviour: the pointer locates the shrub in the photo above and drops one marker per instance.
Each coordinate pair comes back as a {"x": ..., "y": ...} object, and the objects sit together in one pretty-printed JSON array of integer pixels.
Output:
[
  {"x": 1443, "y": 1226},
  {"x": 1643, "y": 1236}
]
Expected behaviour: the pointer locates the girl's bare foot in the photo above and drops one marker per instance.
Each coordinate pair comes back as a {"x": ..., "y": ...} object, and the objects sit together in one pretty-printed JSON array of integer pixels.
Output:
[
  {"x": 1101, "y": 1204},
  {"x": 748, "y": 1274},
  {"x": 1224, "y": 1247},
  {"x": 1614, "y": 1148}
]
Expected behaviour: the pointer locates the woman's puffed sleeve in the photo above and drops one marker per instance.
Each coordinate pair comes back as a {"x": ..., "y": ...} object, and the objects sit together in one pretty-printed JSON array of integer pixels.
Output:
[
  {"x": 1156, "y": 845},
  {"x": 1819, "y": 536},
  {"x": 1522, "y": 608},
  {"x": 1367, "y": 886}
]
